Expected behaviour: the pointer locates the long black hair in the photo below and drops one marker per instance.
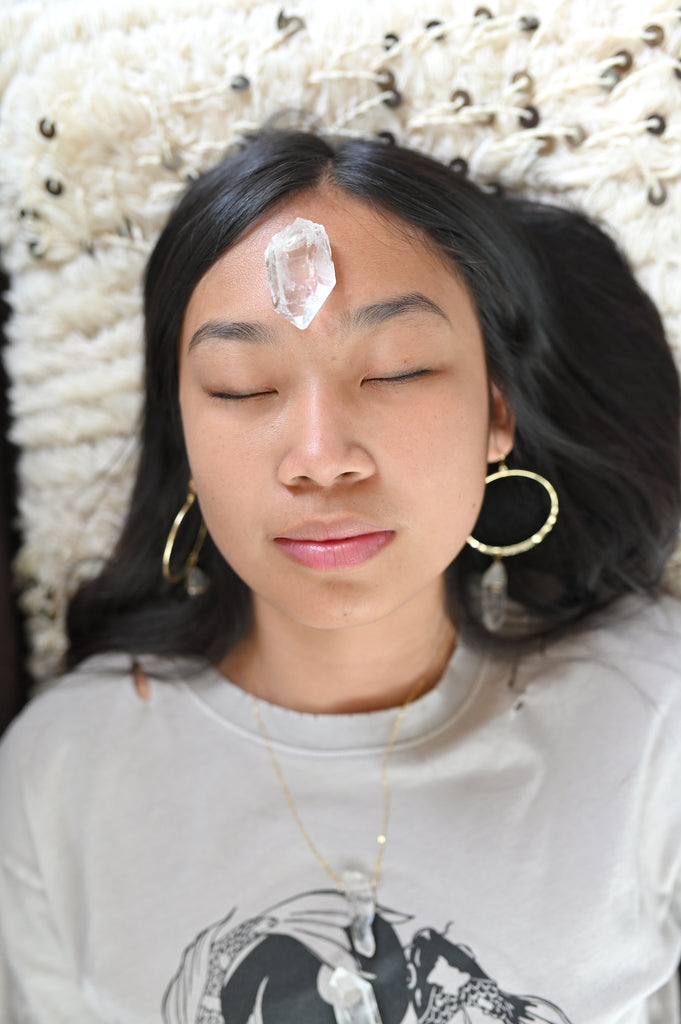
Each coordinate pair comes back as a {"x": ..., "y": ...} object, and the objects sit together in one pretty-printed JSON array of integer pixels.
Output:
[{"x": 573, "y": 343}]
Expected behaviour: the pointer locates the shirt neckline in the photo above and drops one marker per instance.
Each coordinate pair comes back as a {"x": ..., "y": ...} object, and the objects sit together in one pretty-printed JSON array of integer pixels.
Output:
[{"x": 219, "y": 697}]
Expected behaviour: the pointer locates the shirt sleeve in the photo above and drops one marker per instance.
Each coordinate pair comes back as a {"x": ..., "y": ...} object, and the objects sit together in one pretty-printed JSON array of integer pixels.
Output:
[
  {"x": 38, "y": 980},
  {"x": 660, "y": 828}
]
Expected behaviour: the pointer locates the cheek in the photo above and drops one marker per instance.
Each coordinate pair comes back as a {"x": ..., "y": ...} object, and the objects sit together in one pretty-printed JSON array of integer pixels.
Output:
[
  {"x": 446, "y": 461},
  {"x": 199, "y": 438},
  {"x": 210, "y": 449},
  {"x": 219, "y": 470},
  {"x": 229, "y": 500},
  {"x": 448, "y": 438},
  {"x": 218, "y": 465}
]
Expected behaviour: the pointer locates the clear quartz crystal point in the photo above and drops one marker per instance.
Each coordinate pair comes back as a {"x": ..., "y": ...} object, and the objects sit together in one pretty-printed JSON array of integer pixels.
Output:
[
  {"x": 360, "y": 896},
  {"x": 354, "y": 1001},
  {"x": 197, "y": 582},
  {"x": 300, "y": 271},
  {"x": 493, "y": 596}
]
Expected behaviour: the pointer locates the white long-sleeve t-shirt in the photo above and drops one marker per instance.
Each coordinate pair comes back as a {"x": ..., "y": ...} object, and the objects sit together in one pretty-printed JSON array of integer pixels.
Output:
[{"x": 152, "y": 871}]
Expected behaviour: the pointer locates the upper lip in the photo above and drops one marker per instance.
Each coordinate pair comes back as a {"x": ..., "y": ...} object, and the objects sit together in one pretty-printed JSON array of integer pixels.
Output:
[{"x": 337, "y": 529}]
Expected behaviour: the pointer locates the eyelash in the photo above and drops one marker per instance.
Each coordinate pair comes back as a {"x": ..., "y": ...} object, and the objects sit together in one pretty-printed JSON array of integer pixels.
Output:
[
  {"x": 401, "y": 378},
  {"x": 229, "y": 397}
]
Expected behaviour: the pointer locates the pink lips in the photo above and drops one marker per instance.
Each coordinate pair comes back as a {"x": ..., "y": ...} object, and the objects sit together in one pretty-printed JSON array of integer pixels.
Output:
[{"x": 334, "y": 548}]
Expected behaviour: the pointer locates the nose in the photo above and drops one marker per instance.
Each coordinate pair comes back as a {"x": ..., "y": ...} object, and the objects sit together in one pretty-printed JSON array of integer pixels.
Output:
[{"x": 321, "y": 443}]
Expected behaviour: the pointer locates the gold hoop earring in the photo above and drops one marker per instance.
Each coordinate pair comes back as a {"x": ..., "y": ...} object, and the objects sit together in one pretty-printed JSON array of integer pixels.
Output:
[
  {"x": 189, "y": 571},
  {"x": 493, "y": 584}
]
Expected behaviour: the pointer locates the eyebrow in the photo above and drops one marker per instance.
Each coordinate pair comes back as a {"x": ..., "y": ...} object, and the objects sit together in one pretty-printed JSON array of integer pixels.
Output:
[
  {"x": 232, "y": 330},
  {"x": 358, "y": 320},
  {"x": 380, "y": 312}
]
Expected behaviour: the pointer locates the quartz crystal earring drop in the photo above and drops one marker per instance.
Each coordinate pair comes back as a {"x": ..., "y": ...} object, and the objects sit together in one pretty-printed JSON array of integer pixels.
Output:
[
  {"x": 493, "y": 596},
  {"x": 300, "y": 271}
]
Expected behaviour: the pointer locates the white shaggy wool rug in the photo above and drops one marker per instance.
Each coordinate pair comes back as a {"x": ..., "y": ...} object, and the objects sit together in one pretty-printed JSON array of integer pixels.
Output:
[{"x": 107, "y": 108}]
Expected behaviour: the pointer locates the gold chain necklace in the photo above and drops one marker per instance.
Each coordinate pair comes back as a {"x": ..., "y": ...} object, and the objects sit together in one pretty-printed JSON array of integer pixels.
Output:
[
  {"x": 359, "y": 890},
  {"x": 382, "y": 837}
]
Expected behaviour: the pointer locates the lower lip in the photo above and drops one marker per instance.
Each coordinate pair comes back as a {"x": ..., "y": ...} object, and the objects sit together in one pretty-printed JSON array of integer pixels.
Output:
[{"x": 343, "y": 553}]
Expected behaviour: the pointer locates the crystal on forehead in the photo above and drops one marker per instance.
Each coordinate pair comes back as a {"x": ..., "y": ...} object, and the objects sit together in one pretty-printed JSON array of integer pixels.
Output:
[{"x": 300, "y": 270}]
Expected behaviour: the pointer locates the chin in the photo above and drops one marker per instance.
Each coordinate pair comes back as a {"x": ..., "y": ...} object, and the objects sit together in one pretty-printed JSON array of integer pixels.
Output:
[{"x": 340, "y": 606}]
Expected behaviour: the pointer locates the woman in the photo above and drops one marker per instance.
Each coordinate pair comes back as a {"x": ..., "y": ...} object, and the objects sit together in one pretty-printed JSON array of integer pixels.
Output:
[{"x": 349, "y": 735}]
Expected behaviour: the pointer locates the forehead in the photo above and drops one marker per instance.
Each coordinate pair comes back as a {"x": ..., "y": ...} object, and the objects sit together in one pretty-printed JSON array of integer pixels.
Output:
[{"x": 376, "y": 255}]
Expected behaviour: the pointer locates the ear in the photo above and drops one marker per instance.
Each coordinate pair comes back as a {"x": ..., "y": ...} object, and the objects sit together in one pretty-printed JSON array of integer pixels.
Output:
[{"x": 501, "y": 427}]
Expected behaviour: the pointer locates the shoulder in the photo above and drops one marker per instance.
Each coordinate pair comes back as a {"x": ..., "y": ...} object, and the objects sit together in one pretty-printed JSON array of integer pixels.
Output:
[
  {"x": 638, "y": 636},
  {"x": 637, "y": 619},
  {"x": 624, "y": 659},
  {"x": 71, "y": 707},
  {"x": 98, "y": 710},
  {"x": 88, "y": 734}
]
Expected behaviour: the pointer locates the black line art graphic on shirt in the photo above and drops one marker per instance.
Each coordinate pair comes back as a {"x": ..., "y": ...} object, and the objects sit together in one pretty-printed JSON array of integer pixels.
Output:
[{"x": 274, "y": 968}]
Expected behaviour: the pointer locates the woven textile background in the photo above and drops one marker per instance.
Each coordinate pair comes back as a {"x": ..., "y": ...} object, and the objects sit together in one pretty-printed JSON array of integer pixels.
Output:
[{"x": 107, "y": 109}]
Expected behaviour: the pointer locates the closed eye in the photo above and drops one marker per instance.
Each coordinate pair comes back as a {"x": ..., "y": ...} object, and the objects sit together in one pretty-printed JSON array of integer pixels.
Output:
[
  {"x": 399, "y": 378},
  {"x": 238, "y": 396}
]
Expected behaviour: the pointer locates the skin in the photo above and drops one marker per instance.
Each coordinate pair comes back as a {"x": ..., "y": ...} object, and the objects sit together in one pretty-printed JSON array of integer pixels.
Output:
[{"x": 335, "y": 435}]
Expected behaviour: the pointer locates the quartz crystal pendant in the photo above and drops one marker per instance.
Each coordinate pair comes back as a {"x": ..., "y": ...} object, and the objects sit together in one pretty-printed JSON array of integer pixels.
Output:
[
  {"x": 354, "y": 1001},
  {"x": 493, "y": 596},
  {"x": 360, "y": 896},
  {"x": 300, "y": 271}
]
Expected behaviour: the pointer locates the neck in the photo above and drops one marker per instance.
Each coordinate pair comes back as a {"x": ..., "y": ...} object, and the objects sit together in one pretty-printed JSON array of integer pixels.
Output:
[{"x": 361, "y": 668}]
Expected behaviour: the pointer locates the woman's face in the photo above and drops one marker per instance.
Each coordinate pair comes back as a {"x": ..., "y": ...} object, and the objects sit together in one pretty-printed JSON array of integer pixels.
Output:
[{"x": 339, "y": 469}]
